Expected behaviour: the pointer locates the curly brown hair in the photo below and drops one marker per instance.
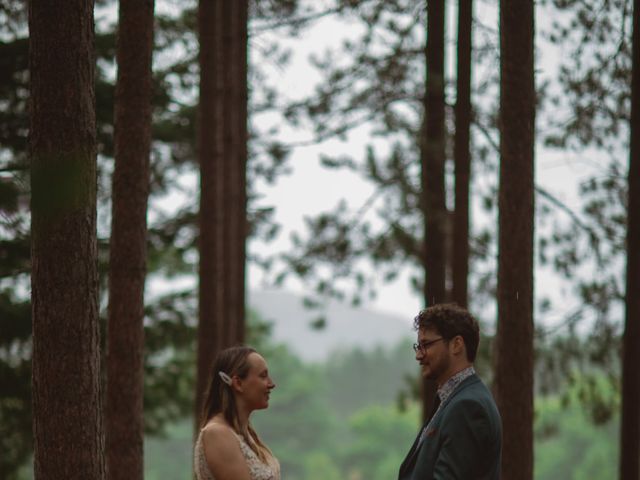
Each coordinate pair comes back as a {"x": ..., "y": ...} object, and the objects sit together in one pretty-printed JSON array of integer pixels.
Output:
[{"x": 451, "y": 320}]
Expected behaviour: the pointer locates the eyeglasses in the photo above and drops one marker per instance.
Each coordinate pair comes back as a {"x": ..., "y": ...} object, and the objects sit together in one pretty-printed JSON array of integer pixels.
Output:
[{"x": 424, "y": 346}]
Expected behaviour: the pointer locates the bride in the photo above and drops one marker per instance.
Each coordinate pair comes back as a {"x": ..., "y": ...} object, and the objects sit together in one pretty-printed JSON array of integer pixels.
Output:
[{"x": 227, "y": 447}]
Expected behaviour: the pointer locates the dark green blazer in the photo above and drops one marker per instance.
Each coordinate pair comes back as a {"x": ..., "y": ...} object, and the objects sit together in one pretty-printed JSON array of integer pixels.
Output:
[{"x": 464, "y": 440}]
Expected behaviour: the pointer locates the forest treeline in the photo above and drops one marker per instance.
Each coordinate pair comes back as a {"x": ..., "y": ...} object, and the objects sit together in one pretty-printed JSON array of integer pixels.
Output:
[
  {"x": 346, "y": 422},
  {"x": 134, "y": 147},
  {"x": 336, "y": 419}
]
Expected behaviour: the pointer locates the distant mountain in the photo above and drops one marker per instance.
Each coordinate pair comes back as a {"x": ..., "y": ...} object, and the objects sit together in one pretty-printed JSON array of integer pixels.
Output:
[{"x": 346, "y": 327}]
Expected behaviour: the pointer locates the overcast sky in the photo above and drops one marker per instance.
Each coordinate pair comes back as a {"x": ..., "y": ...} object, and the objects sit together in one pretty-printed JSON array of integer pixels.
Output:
[{"x": 311, "y": 189}]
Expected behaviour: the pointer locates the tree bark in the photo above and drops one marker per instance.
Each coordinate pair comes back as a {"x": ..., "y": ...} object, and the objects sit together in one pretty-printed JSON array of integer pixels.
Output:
[
  {"x": 462, "y": 156},
  {"x": 630, "y": 421},
  {"x": 67, "y": 423},
  {"x": 432, "y": 148},
  {"x": 127, "y": 267},
  {"x": 222, "y": 150},
  {"x": 514, "y": 339}
]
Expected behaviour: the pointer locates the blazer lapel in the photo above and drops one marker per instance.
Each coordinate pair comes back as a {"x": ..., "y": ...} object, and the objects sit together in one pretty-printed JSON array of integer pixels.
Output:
[{"x": 408, "y": 460}]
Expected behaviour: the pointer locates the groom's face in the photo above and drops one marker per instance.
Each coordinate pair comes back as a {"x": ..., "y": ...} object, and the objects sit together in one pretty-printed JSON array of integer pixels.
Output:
[{"x": 433, "y": 354}]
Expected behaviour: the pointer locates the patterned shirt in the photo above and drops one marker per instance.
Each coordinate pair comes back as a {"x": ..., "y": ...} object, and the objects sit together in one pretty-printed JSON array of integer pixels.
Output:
[{"x": 445, "y": 391}]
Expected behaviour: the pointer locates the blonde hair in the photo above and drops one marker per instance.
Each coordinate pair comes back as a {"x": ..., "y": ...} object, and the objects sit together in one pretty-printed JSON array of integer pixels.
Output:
[{"x": 232, "y": 361}]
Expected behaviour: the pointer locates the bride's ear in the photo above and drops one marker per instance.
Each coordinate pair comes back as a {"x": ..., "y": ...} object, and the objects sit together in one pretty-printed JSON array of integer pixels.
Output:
[{"x": 236, "y": 384}]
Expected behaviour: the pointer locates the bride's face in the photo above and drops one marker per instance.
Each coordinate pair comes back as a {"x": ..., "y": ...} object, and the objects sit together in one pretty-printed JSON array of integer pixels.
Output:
[{"x": 256, "y": 387}]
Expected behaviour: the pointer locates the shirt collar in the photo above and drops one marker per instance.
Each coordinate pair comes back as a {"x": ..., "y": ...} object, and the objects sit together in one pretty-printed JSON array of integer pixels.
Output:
[{"x": 445, "y": 391}]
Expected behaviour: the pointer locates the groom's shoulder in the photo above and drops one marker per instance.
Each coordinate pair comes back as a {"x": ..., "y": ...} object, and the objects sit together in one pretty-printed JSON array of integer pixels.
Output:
[
  {"x": 472, "y": 389},
  {"x": 471, "y": 385}
]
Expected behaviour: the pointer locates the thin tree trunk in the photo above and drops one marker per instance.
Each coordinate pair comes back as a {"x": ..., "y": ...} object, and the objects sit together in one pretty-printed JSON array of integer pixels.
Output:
[
  {"x": 67, "y": 422},
  {"x": 235, "y": 202},
  {"x": 630, "y": 421},
  {"x": 127, "y": 267},
  {"x": 462, "y": 156},
  {"x": 514, "y": 339},
  {"x": 433, "y": 162},
  {"x": 222, "y": 137},
  {"x": 210, "y": 135}
]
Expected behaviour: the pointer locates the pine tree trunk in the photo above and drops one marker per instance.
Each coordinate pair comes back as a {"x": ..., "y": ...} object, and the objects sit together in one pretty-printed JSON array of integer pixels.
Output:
[
  {"x": 432, "y": 147},
  {"x": 462, "y": 157},
  {"x": 630, "y": 421},
  {"x": 514, "y": 339},
  {"x": 127, "y": 266},
  {"x": 67, "y": 413},
  {"x": 236, "y": 136},
  {"x": 222, "y": 150}
]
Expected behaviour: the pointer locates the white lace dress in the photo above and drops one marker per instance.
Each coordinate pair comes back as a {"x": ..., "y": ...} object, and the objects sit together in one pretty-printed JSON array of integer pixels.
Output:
[{"x": 257, "y": 469}]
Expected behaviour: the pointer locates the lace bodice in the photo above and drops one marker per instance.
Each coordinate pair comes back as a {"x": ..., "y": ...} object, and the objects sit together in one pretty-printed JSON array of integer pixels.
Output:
[{"x": 257, "y": 469}]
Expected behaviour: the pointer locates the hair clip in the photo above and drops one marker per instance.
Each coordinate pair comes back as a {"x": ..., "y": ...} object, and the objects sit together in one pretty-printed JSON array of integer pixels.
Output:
[{"x": 225, "y": 378}]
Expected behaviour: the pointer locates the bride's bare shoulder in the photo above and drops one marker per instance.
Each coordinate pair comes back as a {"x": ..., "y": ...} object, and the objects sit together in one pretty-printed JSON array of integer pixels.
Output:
[
  {"x": 216, "y": 432},
  {"x": 222, "y": 452}
]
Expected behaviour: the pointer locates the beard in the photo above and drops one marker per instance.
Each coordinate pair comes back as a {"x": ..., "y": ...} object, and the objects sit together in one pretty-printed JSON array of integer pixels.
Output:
[{"x": 435, "y": 368}]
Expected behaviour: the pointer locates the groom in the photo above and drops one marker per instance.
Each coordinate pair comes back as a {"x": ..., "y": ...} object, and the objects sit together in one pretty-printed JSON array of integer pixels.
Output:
[{"x": 462, "y": 439}]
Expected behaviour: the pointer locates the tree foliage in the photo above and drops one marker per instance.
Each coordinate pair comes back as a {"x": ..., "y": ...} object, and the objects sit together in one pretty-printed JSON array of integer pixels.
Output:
[
  {"x": 374, "y": 78},
  {"x": 171, "y": 238},
  {"x": 588, "y": 113},
  {"x": 314, "y": 436},
  {"x": 372, "y": 83}
]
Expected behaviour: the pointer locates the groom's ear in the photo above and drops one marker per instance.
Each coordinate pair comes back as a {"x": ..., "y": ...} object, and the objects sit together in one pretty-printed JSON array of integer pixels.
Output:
[{"x": 459, "y": 348}]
